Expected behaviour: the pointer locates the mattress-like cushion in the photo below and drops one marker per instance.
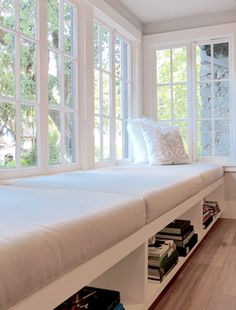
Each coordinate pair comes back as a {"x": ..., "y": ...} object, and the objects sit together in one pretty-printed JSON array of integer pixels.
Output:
[
  {"x": 161, "y": 189},
  {"x": 45, "y": 233}
]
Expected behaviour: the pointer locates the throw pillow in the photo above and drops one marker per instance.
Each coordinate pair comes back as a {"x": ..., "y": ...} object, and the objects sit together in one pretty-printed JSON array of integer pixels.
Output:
[
  {"x": 165, "y": 145},
  {"x": 137, "y": 141}
]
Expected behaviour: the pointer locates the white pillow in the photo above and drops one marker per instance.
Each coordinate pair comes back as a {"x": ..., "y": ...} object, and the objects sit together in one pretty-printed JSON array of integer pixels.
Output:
[
  {"x": 137, "y": 140},
  {"x": 165, "y": 145}
]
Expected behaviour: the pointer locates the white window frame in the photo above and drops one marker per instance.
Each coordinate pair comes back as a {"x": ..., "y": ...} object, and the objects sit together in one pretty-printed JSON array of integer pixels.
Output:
[
  {"x": 212, "y": 80},
  {"x": 188, "y": 37},
  {"x": 112, "y": 96},
  {"x": 17, "y": 101},
  {"x": 192, "y": 96},
  {"x": 171, "y": 84},
  {"x": 62, "y": 108}
]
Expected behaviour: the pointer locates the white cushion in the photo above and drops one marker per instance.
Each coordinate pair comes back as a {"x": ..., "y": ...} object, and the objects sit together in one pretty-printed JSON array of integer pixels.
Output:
[
  {"x": 140, "y": 153},
  {"x": 46, "y": 233},
  {"x": 137, "y": 141},
  {"x": 165, "y": 145}
]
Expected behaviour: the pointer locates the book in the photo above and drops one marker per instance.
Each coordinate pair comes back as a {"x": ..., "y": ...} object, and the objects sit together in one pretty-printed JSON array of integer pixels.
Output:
[
  {"x": 176, "y": 227},
  {"x": 92, "y": 298},
  {"x": 119, "y": 307},
  {"x": 212, "y": 202},
  {"x": 161, "y": 235},
  {"x": 154, "y": 261},
  {"x": 156, "y": 273},
  {"x": 207, "y": 222},
  {"x": 185, "y": 241},
  {"x": 184, "y": 250}
]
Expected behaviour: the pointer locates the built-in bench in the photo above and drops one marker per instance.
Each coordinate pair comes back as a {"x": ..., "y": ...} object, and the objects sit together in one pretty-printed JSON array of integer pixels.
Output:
[{"x": 55, "y": 226}]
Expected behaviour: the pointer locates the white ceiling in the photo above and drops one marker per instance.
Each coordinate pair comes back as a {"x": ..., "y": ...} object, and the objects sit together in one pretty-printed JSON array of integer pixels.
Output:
[{"x": 149, "y": 11}]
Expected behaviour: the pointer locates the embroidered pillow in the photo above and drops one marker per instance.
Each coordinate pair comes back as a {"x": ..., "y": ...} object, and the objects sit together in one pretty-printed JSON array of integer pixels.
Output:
[{"x": 164, "y": 145}]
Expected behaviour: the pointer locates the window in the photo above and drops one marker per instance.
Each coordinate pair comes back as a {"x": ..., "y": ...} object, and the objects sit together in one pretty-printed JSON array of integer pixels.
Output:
[
  {"x": 213, "y": 106},
  {"x": 210, "y": 118},
  {"x": 19, "y": 106},
  {"x": 112, "y": 84},
  {"x": 172, "y": 92},
  {"x": 62, "y": 98}
]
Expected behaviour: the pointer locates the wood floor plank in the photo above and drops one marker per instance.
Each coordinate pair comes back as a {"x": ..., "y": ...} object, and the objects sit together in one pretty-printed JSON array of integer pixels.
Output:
[{"x": 208, "y": 280}]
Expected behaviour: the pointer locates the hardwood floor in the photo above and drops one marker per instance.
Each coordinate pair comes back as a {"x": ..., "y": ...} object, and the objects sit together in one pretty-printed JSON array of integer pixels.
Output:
[{"x": 208, "y": 280}]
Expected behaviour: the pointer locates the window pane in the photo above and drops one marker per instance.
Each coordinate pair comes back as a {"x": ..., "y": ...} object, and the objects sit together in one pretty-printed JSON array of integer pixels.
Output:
[
  {"x": 7, "y": 64},
  {"x": 119, "y": 136},
  {"x": 54, "y": 78},
  {"x": 54, "y": 137},
  {"x": 164, "y": 102},
  {"x": 221, "y": 61},
  {"x": 205, "y": 138},
  {"x": 183, "y": 127},
  {"x": 118, "y": 98},
  {"x": 203, "y": 62},
  {"x": 106, "y": 139},
  {"x": 163, "y": 66},
  {"x": 221, "y": 96},
  {"x": 125, "y": 100},
  {"x": 53, "y": 23},
  {"x": 97, "y": 92},
  {"x": 68, "y": 28},
  {"x": 97, "y": 139},
  {"x": 7, "y": 135},
  {"x": 222, "y": 138},
  {"x": 69, "y": 138},
  {"x": 69, "y": 82},
  {"x": 27, "y": 17},
  {"x": 204, "y": 100},
  {"x": 179, "y": 64},
  {"x": 106, "y": 94},
  {"x": 28, "y": 76},
  {"x": 180, "y": 101},
  {"x": 105, "y": 49},
  {"x": 125, "y": 62},
  {"x": 28, "y": 137},
  {"x": 118, "y": 56},
  {"x": 96, "y": 44},
  {"x": 125, "y": 140},
  {"x": 7, "y": 13}
]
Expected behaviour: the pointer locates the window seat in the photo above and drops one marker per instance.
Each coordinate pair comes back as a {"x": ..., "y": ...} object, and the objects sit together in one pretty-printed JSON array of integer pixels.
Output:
[
  {"x": 161, "y": 187},
  {"x": 45, "y": 233},
  {"x": 52, "y": 224}
]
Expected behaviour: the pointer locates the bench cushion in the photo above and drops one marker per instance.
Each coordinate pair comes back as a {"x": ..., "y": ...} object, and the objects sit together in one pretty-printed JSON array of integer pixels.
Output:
[{"x": 45, "y": 233}]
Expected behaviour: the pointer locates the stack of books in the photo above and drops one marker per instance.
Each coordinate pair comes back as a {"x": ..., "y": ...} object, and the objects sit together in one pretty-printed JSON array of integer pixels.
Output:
[
  {"x": 93, "y": 298},
  {"x": 162, "y": 257},
  {"x": 182, "y": 233},
  {"x": 210, "y": 210}
]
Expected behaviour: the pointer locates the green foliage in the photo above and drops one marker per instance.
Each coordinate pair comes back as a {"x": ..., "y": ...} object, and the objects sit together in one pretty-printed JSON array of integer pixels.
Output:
[{"x": 54, "y": 142}]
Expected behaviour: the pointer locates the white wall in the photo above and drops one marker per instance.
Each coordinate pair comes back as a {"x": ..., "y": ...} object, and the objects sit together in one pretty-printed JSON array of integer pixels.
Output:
[{"x": 190, "y": 22}]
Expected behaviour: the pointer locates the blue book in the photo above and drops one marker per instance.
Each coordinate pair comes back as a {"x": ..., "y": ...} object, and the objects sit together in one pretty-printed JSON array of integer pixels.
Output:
[{"x": 119, "y": 307}]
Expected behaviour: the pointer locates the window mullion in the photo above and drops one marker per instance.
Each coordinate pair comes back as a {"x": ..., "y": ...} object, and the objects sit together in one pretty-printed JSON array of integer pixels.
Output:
[
  {"x": 112, "y": 98},
  {"x": 17, "y": 81},
  {"x": 43, "y": 88},
  {"x": 171, "y": 87},
  {"x": 212, "y": 104}
]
